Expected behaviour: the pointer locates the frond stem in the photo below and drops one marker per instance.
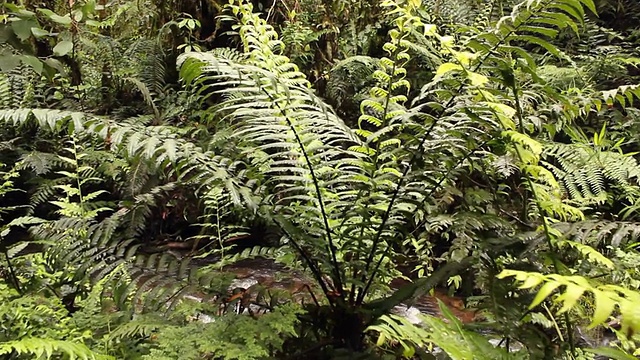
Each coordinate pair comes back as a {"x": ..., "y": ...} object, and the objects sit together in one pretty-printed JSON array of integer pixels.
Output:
[
  {"x": 14, "y": 277},
  {"x": 387, "y": 213},
  {"x": 442, "y": 179},
  {"x": 314, "y": 269}
]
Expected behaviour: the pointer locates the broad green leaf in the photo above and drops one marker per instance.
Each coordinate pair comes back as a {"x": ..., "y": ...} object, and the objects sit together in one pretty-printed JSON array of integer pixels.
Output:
[
  {"x": 540, "y": 42},
  {"x": 447, "y": 41},
  {"x": 552, "y": 33},
  {"x": 9, "y": 62},
  {"x": 34, "y": 62},
  {"x": 465, "y": 57},
  {"x": 544, "y": 293},
  {"x": 590, "y": 5},
  {"x": 507, "y": 273},
  {"x": 38, "y": 32},
  {"x": 531, "y": 282},
  {"x": 604, "y": 306},
  {"x": 558, "y": 20},
  {"x": 575, "y": 10},
  {"x": 612, "y": 353},
  {"x": 522, "y": 139},
  {"x": 18, "y": 10},
  {"x": 55, "y": 64},
  {"x": 477, "y": 79},
  {"x": 447, "y": 67},
  {"x": 78, "y": 15},
  {"x": 570, "y": 296},
  {"x": 381, "y": 338},
  {"x": 22, "y": 28},
  {"x": 505, "y": 109},
  {"x": 430, "y": 29},
  {"x": 93, "y": 23},
  {"x": 63, "y": 20},
  {"x": 63, "y": 48}
]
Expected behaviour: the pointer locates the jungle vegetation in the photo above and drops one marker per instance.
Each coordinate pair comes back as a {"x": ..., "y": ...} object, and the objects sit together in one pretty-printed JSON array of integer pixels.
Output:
[{"x": 485, "y": 148}]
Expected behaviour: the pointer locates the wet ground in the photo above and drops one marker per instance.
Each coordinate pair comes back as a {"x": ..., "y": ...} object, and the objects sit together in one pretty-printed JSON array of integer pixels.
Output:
[
  {"x": 256, "y": 274},
  {"x": 256, "y": 277}
]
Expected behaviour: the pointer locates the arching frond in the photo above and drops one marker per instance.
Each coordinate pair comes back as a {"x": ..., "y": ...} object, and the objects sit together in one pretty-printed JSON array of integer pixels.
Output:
[
  {"x": 159, "y": 145},
  {"x": 587, "y": 173},
  {"x": 39, "y": 347},
  {"x": 607, "y": 298},
  {"x": 348, "y": 78},
  {"x": 599, "y": 233}
]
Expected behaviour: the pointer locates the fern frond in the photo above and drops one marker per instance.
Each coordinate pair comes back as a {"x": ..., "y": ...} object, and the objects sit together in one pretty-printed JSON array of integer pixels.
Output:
[
  {"x": 624, "y": 95},
  {"x": 141, "y": 209},
  {"x": 40, "y": 347},
  {"x": 40, "y": 163},
  {"x": 5, "y": 92},
  {"x": 599, "y": 233},
  {"x": 587, "y": 173},
  {"x": 149, "y": 58},
  {"x": 453, "y": 11},
  {"x": 607, "y": 298},
  {"x": 146, "y": 94},
  {"x": 256, "y": 252},
  {"x": 141, "y": 327},
  {"x": 261, "y": 117},
  {"x": 450, "y": 337},
  {"x": 270, "y": 107},
  {"x": 348, "y": 78},
  {"x": 160, "y": 145}
]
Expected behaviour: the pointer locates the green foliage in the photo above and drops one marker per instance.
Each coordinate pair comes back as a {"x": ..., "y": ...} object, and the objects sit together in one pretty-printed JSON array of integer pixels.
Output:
[
  {"x": 36, "y": 325},
  {"x": 250, "y": 339},
  {"x": 606, "y": 298},
  {"x": 587, "y": 173},
  {"x": 448, "y": 335},
  {"x": 348, "y": 81},
  {"x": 468, "y": 138},
  {"x": 47, "y": 347}
]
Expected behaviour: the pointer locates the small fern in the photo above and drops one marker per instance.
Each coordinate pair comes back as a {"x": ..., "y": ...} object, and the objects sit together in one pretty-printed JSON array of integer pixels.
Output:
[
  {"x": 587, "y": 172},
  {"x": 48, "y": 348},
  {"x": 607, "y": 298},
  {"x": 450, "y": 337}
]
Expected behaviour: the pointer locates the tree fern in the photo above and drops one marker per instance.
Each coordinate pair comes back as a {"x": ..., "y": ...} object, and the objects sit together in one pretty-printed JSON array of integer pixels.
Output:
[
  {"x": 480, "y": 67},
  {"x": 291, "y": 127}
]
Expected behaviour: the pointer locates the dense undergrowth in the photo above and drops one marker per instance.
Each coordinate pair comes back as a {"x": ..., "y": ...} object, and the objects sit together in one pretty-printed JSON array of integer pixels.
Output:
[{"x": 487, "y": 148}]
